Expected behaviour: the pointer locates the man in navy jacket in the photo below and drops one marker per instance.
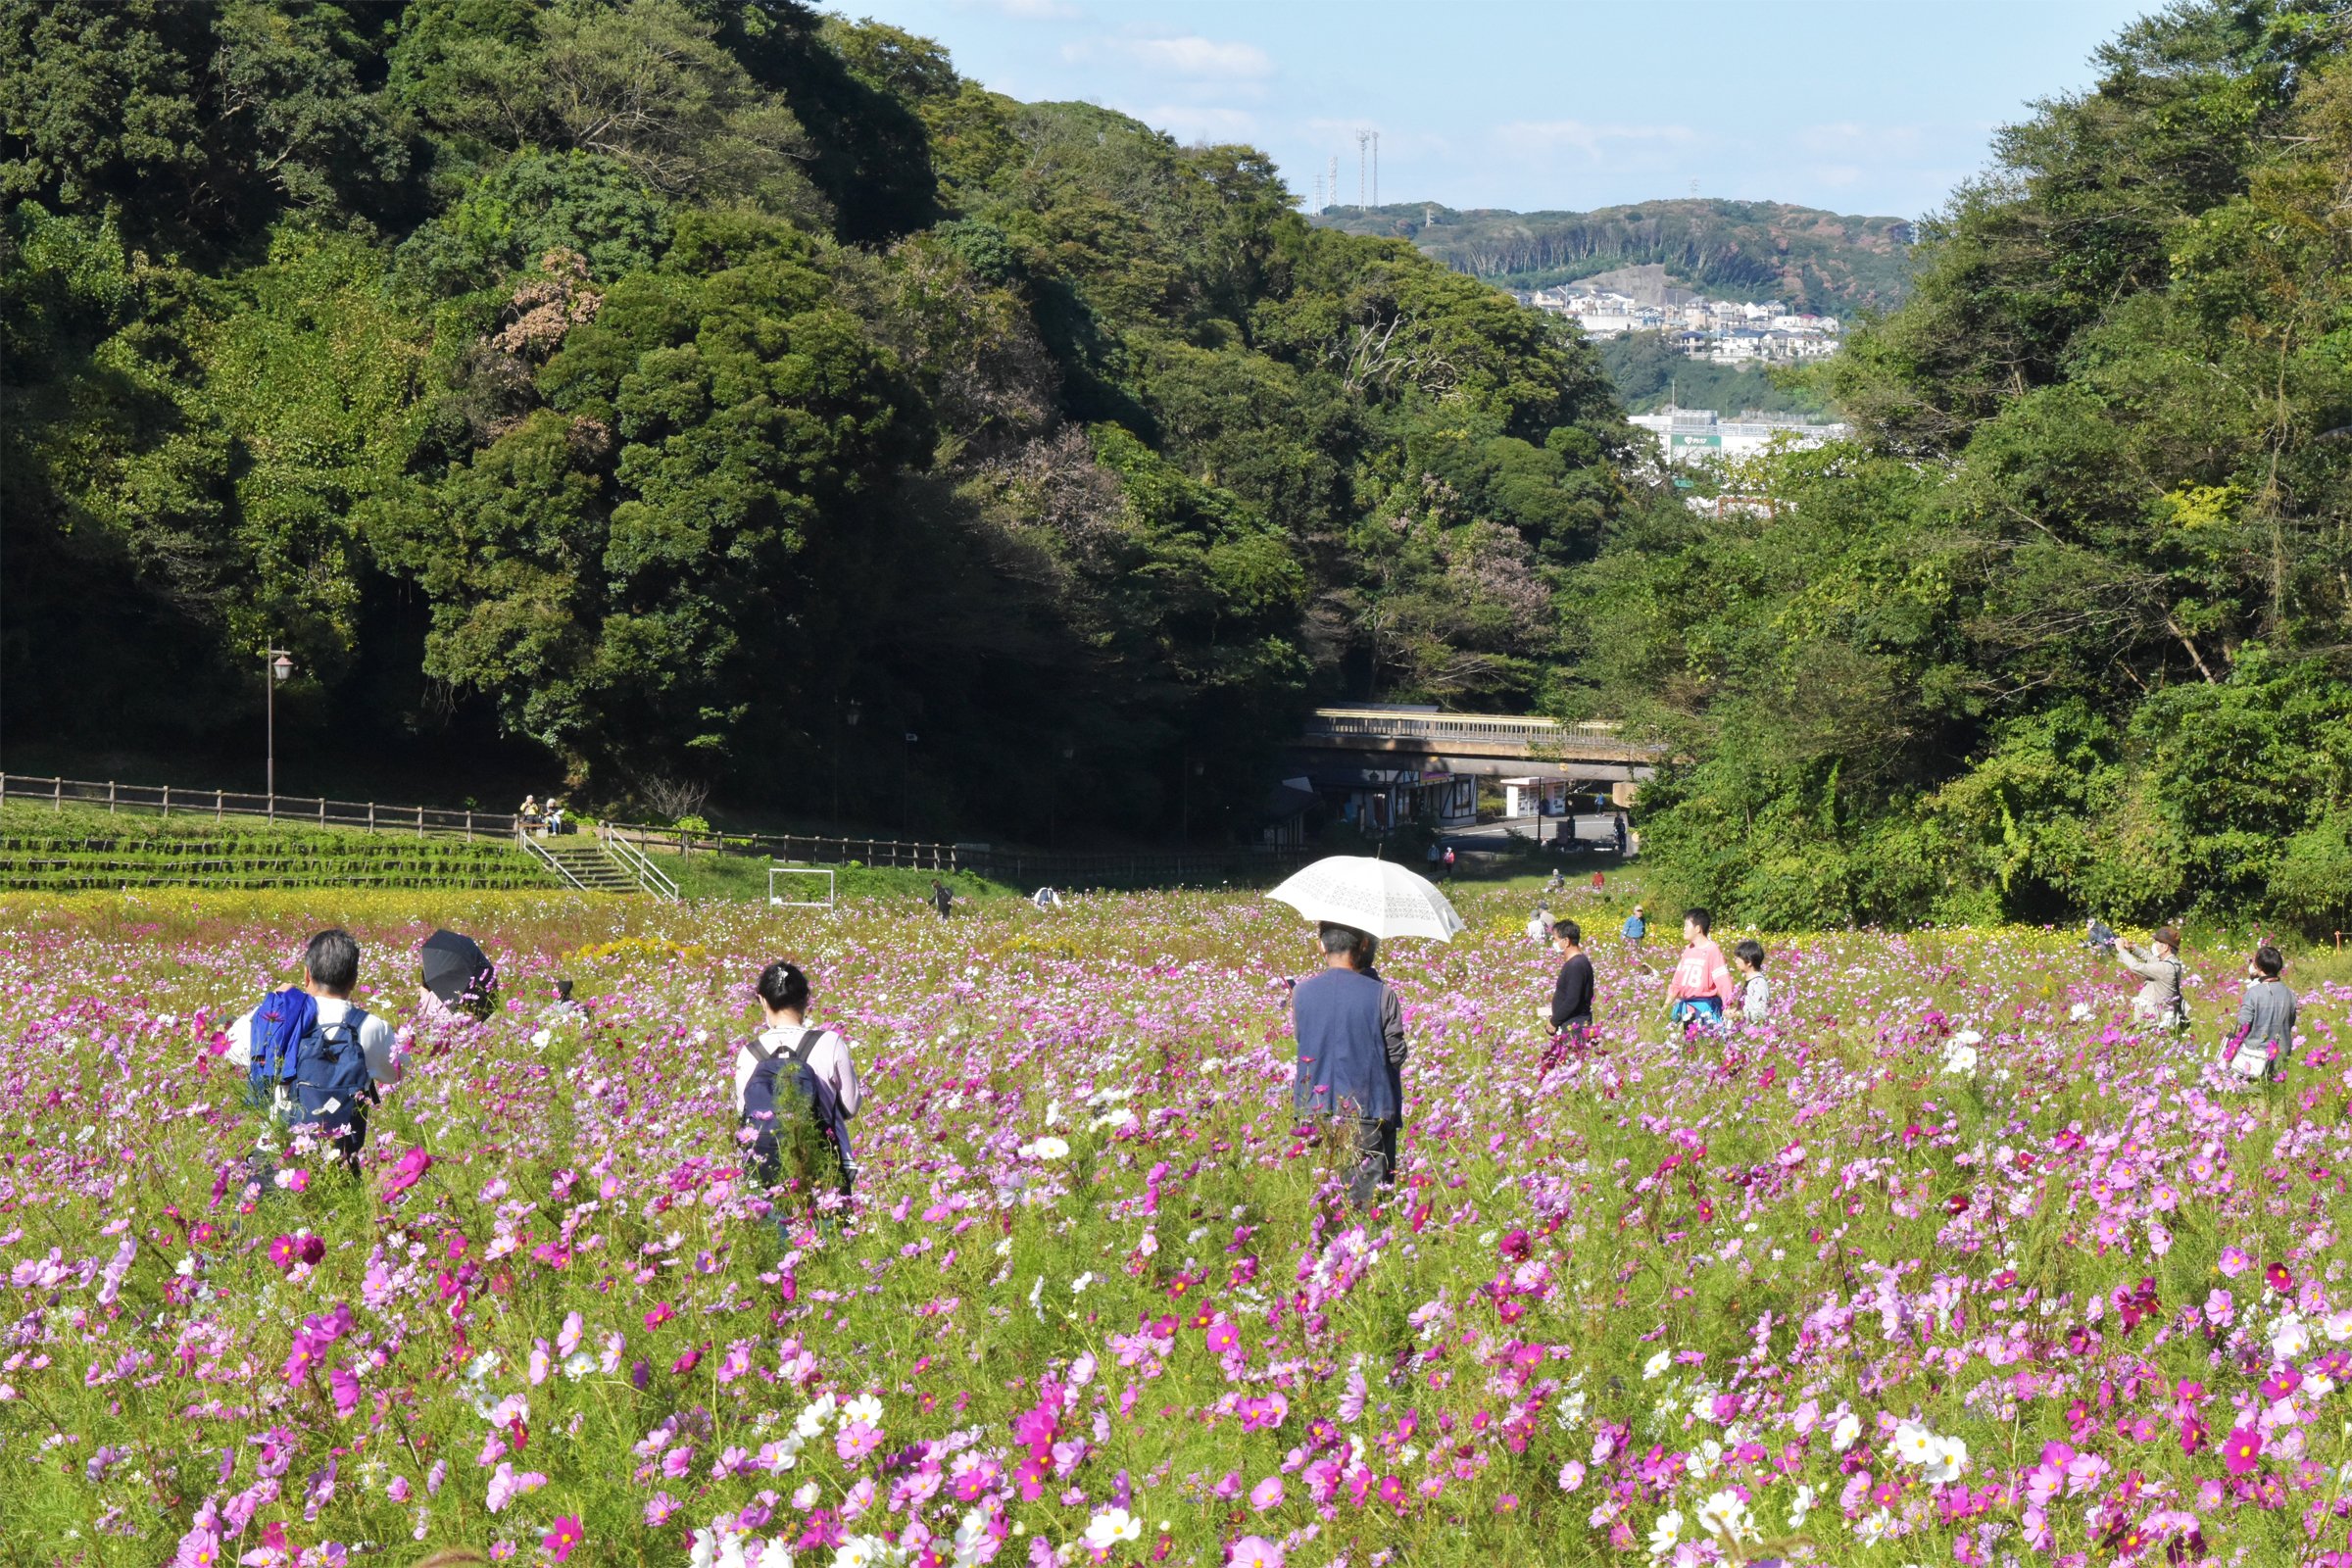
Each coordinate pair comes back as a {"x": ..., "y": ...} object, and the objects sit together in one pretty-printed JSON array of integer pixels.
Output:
[{"x": 1351, "y": 1051}]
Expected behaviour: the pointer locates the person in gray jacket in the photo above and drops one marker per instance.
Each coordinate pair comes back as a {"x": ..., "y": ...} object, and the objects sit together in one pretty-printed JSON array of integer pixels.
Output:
[
  {"x": 2159, "y": 1002},
  {"x": 2265, "y": 1020}
]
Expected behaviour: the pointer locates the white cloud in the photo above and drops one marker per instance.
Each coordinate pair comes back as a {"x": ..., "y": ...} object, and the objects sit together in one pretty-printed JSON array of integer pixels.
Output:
[
  {"x": 1200, "y": 122},
  {"x": 1850, "y": 138},
  {"x": 1598, "y": 143},
  {"x": 1027, "y": 9},
  {"x": 1190, "y": 56}
]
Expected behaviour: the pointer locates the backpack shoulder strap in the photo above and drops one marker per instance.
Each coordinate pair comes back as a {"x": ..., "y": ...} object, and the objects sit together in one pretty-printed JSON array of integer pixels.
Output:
[{"x": 805, "y": 1045}]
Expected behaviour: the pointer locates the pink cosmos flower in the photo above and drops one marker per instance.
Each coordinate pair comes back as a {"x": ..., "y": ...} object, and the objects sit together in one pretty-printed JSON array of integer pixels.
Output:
[
  {"x": 2233, "y": 1262},
  {"x": 856, "y": 1442},
  {"x": 1267, "y": 1493},
  {"x": 1223, "y": 1336},
  {"x": 1253, "y": 1551},
  {"x": 2241, "y": 1450}
]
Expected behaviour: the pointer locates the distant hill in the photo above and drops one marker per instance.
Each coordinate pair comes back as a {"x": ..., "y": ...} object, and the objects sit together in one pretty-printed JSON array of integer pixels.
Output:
[{"x": 1824, "y": 261}]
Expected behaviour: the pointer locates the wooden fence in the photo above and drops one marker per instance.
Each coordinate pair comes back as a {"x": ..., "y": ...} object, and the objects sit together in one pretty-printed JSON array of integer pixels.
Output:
[{"x": 1022, "y": 867}]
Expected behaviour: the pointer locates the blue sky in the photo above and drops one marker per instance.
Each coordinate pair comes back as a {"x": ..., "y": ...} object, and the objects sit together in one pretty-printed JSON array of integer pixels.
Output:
[{"x": 1858, "y": 106}]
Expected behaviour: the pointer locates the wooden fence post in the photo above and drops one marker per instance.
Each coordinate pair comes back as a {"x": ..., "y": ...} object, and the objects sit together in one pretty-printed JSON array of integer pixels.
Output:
[
  {"x": 110, "y": 796},
  {"x": 219, "y": 804},
  {"x": 372, "y": 816},
  {"x": 166, "y": 800},
  {"x": 420, "y": 821},
  {"x": 469, "y": 824},
  {"x": 57, "y": 795}
]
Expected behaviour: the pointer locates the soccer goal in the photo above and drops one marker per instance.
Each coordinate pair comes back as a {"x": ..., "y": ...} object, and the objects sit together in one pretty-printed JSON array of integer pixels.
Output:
[{"x": 810, "y": 895}]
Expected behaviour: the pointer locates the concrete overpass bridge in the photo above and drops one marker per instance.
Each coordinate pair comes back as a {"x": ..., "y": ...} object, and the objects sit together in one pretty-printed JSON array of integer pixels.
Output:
[{"x": 1383, "y": 765}]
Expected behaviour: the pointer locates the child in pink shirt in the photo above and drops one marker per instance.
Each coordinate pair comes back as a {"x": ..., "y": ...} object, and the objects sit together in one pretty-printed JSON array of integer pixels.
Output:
[{"x": 1701, "y": 987}]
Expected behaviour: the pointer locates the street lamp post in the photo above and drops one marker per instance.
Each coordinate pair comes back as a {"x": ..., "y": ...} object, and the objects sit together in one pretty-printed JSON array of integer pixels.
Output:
[{"x": 277, "y": 666}]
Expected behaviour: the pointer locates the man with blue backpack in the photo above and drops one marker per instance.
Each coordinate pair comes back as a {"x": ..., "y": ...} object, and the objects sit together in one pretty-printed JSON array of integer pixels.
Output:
[{"x": 312, "y": 1058}]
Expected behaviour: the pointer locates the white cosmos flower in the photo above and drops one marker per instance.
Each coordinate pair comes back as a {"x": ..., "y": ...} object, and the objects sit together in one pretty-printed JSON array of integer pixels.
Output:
[
  {"x": 1655, "y": 1365},
  {"x": 866, "y": 1407},
  {"x": 775, "y": 1555},
  {"x": 1914, "y": 1444},
  {"x": 1800, "y": 1505},
  {"x": 1843, "y": 1434},
  {"x": 1110, "y": 1527},
  {"x": 2339, "y": 1327},
  {"x": 1667, "y": 1532},
  {"x": 1948, "y": 1462},
  {"x": 1724, "y": 1514},
  {"x": 1045, "y": 1149},
  {"x": 2290, "y": 1337},
  {"x": 1875, "y": 1527}
]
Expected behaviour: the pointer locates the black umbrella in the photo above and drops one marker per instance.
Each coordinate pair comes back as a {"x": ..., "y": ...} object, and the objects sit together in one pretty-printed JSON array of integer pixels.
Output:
[{"x": 457, "y": 969}]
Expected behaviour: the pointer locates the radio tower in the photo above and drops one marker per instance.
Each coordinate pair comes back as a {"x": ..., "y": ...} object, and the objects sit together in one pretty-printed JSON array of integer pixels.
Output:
[
  {"x": 1376, "y": 168},
  {"x": 1318, "y": 207},
  {"x": 1363, "y": 144},
  {"x": 1332, "y": 185}
]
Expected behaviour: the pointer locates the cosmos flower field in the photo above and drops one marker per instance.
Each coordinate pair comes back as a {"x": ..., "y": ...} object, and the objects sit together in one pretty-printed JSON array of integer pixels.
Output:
[{"x": 1946, "y": 1263}]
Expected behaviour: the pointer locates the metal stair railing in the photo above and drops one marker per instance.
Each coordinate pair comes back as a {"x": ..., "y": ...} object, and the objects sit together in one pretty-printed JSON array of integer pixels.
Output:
[
  {"x": 650, "y": 878},
  {"x": 550, "y": 859}
]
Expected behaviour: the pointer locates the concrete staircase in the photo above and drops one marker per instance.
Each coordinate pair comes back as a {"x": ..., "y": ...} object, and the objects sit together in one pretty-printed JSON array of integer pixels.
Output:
[{"x": 583, "y": 863}]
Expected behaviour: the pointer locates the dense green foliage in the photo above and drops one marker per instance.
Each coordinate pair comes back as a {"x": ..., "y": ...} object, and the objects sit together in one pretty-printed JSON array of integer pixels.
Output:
[
  {"x": 1649, "y": 372},
  {"x": 637, "y": 386},
  {"x": 2070, "y": 624},
  {"x": 1824, "y": 262}
]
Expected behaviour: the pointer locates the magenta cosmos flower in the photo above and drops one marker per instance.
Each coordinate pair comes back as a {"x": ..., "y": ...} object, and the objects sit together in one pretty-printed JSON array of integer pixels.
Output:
[
  {"x": 562, "y": 1538},
  {"x": 2242, "y": 1450}
]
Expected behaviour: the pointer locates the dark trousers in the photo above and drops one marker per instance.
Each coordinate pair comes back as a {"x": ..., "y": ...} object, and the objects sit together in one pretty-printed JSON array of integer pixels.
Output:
[{"x": 1374, "y": 1165}]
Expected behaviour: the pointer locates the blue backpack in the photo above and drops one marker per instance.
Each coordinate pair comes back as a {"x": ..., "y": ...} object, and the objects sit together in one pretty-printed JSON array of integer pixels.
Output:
[
  {"x": 315, "y": 1074},
  {"x": 784, "y": 1085}
]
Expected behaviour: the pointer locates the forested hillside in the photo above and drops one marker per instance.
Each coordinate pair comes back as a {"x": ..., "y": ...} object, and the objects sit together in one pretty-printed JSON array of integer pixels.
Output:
[
  {"x": 648, "y": 388},
  {"x": 2069, "y": 628},
  {"x": 1831, "y": 262}
]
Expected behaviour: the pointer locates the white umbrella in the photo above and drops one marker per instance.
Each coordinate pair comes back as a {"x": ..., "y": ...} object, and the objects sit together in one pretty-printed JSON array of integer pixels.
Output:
[{"x": 1380, "y": 896}]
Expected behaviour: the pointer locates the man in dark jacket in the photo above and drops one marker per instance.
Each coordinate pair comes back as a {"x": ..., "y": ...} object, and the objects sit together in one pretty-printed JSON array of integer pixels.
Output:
[
  {"x": 1570, "y": 1012},
  {"x": 1351, "y": 1049}
]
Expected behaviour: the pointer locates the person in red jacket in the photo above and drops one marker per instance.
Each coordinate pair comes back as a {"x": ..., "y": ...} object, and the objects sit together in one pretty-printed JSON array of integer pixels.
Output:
[{"x": 1701, "y": 988}]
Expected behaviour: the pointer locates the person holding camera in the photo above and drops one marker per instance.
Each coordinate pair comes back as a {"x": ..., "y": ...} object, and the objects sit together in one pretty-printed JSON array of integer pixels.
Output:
[{"x": 2159, "y": 1003}]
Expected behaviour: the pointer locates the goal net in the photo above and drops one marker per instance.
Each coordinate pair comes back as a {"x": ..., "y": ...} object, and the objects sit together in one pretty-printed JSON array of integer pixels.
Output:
[{"x": 799, "y": 887}]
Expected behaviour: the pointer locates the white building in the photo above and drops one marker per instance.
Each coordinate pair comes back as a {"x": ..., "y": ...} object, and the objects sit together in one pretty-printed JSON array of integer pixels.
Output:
[{"x": 1697, "y": 435}]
